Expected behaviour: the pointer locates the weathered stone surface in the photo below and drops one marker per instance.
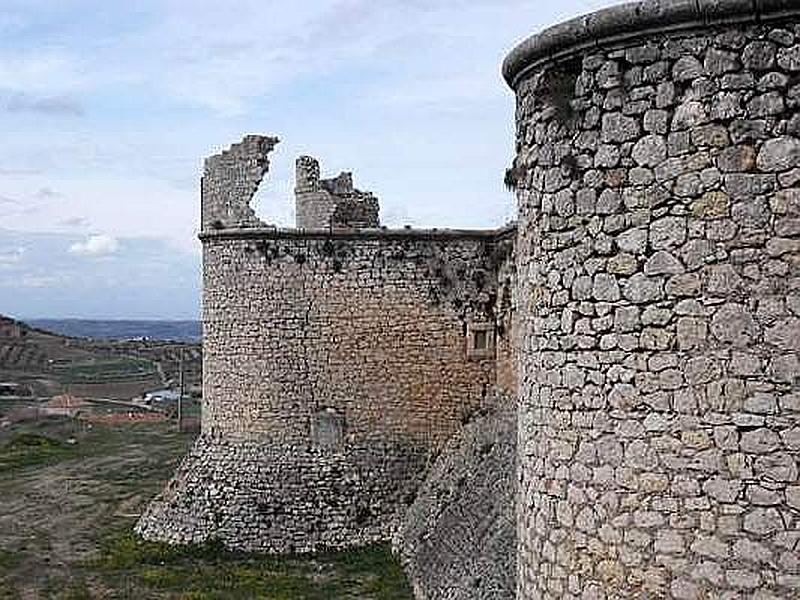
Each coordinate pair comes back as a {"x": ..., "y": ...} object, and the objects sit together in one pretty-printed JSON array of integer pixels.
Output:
[
  {"x": 690, "y": 403},
  {"x": 759, "y": 441},
  {"x": 326, "y": 203},
  {"x": 633, "y": 241},
  {"x": 230, "y": 180},
  {"x": 650, "y": 150},
  {"x": 722, "y": 280},
  {"x": 619, "y": 128},
  {"x": 779, "y": 154},
  {"x": 733, "y": 324},
  {"x": 714, "y": 204},
  {"x": 721, "y": 61},
  {"x": 458, "y": 539},
  {"x": 663, "y": 263},
  {"x": 605, "y": 288},
  {"x": 623, "y": 264},
  {"x": 737, "y": 159},
  {"x": 688, "y": 115},
  {"x": 785, "y": 335},
  {"x": 789, "y": 58},
  {"x": 763, "y": 521},
  {"x": 641, "y": 289},
  {"x": 759, "y": 55},
  {"x": 692, "y": 333},
  {"x": 667, "y": 232},
  {"x": 608, "y": 202},
  {"x": 687, "y": 68}
]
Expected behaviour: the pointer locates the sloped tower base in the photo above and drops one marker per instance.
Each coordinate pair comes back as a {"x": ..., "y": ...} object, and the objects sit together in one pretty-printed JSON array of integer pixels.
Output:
[{"x": 254, "y": 497}]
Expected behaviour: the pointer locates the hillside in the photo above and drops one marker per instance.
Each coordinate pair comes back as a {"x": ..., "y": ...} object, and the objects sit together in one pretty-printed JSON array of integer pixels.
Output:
[{"x": 39, "y": 363}]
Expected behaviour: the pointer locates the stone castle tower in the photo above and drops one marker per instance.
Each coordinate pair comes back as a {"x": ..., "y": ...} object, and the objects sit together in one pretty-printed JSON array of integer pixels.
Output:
[
  {"x": 338, "y": 358},
  {"x": 658, "y": 257},
  {"x": 644, "y": 314}
]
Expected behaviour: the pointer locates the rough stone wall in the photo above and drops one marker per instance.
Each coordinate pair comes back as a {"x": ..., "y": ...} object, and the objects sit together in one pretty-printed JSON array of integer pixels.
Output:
[
  {"x": 335, "y": 366},
  {"x": 659, "y": 283},
  {"x": 504, "y": 309},
  {"x": 372, "y": 326},
  {"x": 230, "y": 179},
  {"x": 458, "y": 539},
  {"x": 331, "y": 203}
]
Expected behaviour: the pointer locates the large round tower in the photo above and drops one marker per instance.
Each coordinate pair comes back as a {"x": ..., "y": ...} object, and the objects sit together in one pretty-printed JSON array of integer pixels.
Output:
[
  {"x": 338, "y": 359},
  {"x": 658, "y": 176}
]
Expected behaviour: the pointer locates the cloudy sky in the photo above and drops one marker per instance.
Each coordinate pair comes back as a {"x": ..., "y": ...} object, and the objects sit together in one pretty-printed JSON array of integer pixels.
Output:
[{"x": 108, "y": 107}]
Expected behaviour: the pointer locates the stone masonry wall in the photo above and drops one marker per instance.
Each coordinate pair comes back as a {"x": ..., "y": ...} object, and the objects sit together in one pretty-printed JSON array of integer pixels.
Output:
[
  {"x": 372, "y": 326},
  {"x": 335, "y": 366},
  {"x": 230, "y": 179},
  {"x": 658, "y": 176},
  {"x": 458, "y": 539},
  {"x": 327, "y": 203}
]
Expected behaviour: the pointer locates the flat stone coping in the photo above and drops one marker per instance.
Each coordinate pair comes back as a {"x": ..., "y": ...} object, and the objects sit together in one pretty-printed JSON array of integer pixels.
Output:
[
  {"x": 500, "y": 233},
  {"x": 636, "y": 20}
]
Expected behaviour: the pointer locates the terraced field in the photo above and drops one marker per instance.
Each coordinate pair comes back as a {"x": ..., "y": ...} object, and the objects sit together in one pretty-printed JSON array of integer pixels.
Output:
[
  {"x": 20, "y": 356},
  {"x": 49, "y": 364},
  {"x": 99, "y": 371}
]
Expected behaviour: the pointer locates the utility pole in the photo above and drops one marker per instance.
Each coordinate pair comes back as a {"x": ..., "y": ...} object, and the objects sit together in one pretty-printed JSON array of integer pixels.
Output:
[{"x": 180, "y": 393}]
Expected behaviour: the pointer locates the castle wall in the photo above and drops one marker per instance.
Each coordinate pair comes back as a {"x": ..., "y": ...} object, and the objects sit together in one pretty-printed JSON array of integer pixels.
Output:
[
  {"x": 658, "y": 176},
  {"x": 335, "y": 365},
  {"x": 230, "y": 179},
  {"x": 371, "y": 326},
  {"x": 458, "y": 539}
]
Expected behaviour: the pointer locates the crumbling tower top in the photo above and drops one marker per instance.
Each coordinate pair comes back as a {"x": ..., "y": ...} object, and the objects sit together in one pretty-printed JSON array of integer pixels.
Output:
[
  {"x": 331, "y": 203},
  {"x": 230, "y": 180}
]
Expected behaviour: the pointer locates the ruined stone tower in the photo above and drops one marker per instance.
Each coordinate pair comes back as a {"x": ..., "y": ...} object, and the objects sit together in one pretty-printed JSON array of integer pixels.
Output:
[
  {"x": 658, "y": 256},
  {"x": 338, "y": 358}
]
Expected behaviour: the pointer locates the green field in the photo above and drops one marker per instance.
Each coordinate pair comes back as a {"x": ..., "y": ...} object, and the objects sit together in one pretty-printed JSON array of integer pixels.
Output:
[{"x": 101, "y": 371}]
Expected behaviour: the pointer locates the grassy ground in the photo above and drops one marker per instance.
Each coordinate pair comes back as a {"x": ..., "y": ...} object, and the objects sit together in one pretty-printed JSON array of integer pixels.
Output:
[
  {"x": 106, "y": 370},
  {"x": 69, "y": 495}
]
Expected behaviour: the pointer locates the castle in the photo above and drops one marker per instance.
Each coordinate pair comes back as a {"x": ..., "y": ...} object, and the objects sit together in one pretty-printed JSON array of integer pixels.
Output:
[
  {"x": 339, "y": 357},
  {"x": 642, "y": 320}
]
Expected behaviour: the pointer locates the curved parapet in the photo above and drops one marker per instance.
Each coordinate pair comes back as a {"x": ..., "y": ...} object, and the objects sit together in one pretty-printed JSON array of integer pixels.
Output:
[
  {"x": 636, "y": 21},
  {"x": 658, "y": 260}
]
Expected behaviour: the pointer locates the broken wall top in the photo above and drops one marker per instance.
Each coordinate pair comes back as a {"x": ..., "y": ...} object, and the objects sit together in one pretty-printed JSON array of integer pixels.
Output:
[
  {"x": 230, "y": 180},
  {"x": 331, "y": 203}
]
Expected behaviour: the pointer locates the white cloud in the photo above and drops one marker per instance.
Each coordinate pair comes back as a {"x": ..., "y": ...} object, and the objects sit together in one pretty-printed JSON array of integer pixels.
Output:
[
  {"x": 95, "y": 245},
  {"x": 74, "y": 222},
  {"x": 42, "y": 71},
  {"x": 11, "y": 256},
  {"x": 33, "y": 281},
  {"x": 42, "y": 281}
]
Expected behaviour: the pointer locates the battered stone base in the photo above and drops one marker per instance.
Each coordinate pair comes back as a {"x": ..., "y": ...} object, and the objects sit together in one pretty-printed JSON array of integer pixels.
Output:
[
  {"x": 458, "y": 540},
  {"x": 285, "y": 499}
]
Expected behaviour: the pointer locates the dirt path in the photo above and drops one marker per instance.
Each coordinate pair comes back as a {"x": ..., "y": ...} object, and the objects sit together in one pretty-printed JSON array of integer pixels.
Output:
[{"x": 52, "y": 515}]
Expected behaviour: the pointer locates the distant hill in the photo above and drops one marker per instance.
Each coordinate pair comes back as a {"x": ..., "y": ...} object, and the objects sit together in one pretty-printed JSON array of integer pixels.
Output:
[
  {"x": 50, "y": 363},
  {"x": 121, "y": 329}
]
